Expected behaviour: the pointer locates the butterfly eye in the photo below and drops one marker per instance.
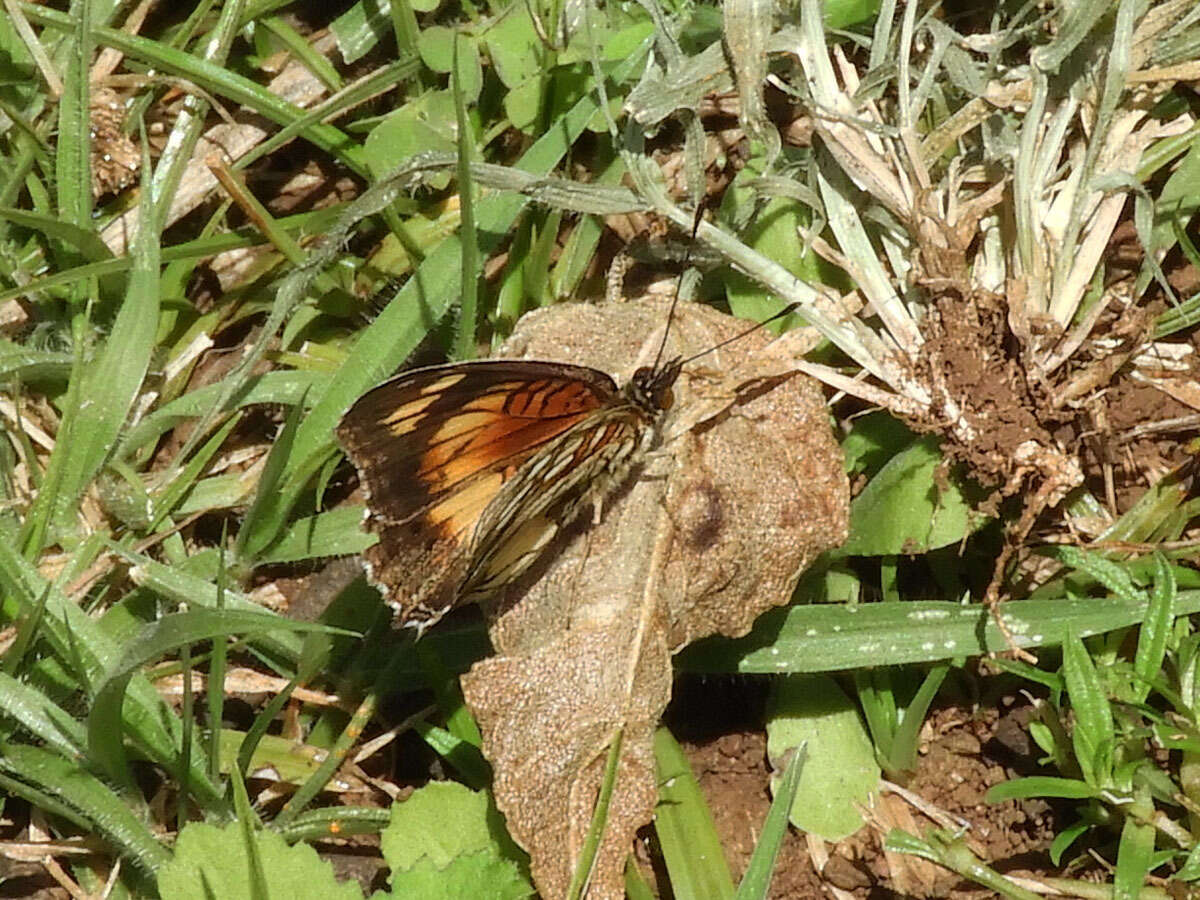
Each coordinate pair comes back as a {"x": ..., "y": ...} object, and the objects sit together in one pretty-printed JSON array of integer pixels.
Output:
[{"x": 666, "y": 399}]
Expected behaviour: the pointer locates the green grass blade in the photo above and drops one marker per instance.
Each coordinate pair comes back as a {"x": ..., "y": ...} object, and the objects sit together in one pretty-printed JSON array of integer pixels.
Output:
[
  {"x": 464, "y": 344},
  {"x": 907, "y": 739},
  {"x": 828, "y": 637},
  {"x": 100, "y": 808},
  {"x": 685, "y": 828},
  {"x": 1156, "y": 629},
  {"x": 1093, "y": 715},
  {"x": 285, "y": 388},
  {"x": 595, "y": 832},
  {"x": 32, "y": 365},
  {"x": 183, "y": 587},
  {"x": 1135, "y": 852},
  {"x": 1041, "y": 786},
  {"x": 83, "y": 240},
  {"x": 107, "y": 392},
  {"x": 267, "y": 513},
  {"x": 337, "y": 755},
  {"x": 106, "y": 722},
  {"x": 334, "y": 533},
  {"x": 43, "y": 718},
  {"x": 72, "y": 161},
  {"x": 757, "y": 880},
  {"x": 219, "y": 81}
]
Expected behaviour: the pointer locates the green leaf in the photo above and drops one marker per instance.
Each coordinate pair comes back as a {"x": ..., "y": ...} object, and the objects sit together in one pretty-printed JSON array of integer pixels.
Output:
[
  {"x": 73, "y": 170},
  {"x": 1179, "y": 197},
  {"x": 175, "y": 583},
  {"x": 1135, "y": 852},
  {"x": 1114, "y": 576},
  {"x": 423, "y": 125},
  {"x": 282, "y": 387},
  {"x": 269, "y": 511},
  {"x": 106, "y": 391},
  {"x": 840, "y": 771},
  {"x": 436, "y": 46},
  {"x": 905, "y": 743},
  {"x": 685, "y": 829},
  {"x": 514, "y": 46},
  {"x": 1093, "y": 715},
  {"x": 757, "y": 880},
  {"x": 912, "y": 506},
  {"x": 84, "y": 240},
  {"x": 774, "y": 231},
  {"x": 360, "y": 28},
  {"x": 39, "y": 715},
  {"x": 464, "y": 756},
  {"x": 105, "y": 722},
  {"x": 335, "y": 533},
  {"x": 1190, "y": 870},
  {"x": 1065, "y": 839},
  {"x": 1040, "y": 786},
  {"x": 215, "y": 862},
  {"x": 843, "y": 13},
  {"x": 32, "y": 365},
  {"x": 214, "y": 78},
  {"x": 1152, "y": 640},
  {"x": 873, "y": 441},
  {"x": 88, "y": 800},
  {"x": 448, "y": 841},
  {"x": 824, "y": 638}
]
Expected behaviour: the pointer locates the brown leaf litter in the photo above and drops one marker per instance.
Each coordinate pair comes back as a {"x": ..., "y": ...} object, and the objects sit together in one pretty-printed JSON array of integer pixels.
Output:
[{"x": 746, "y": 491}]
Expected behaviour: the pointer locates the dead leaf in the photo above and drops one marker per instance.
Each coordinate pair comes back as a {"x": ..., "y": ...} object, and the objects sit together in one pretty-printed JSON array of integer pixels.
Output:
[{"x": 747, "y": 488}]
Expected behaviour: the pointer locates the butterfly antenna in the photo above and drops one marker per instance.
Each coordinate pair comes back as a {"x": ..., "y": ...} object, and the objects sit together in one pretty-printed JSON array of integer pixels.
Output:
[
  {"x": 687, "y": 256},
  {"x": 786, "y": 311}
]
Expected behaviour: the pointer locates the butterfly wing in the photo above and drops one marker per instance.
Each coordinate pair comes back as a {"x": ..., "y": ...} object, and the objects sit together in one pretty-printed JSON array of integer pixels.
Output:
[
  {"x": 434, "y": 447},
  {"x": 587, "y": 461}
]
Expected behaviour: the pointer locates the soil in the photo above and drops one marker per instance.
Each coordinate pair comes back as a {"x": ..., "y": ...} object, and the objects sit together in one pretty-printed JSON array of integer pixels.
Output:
[{"x": 963, "y": 753}]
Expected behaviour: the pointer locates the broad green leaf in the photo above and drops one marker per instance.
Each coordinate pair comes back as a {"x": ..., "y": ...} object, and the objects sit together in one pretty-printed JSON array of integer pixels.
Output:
[
  {"x": 914, "y": 504},
  {"x": 215, "y": 862},
  {"x": 840, "y": 771},
  {"x": 424, "y": 124},
  {"x": 842, "y": 13},
  {"x": 514, "y": 46},
  {"x": 451, "y": 840},
  {"x": 436, "y": 46},
  {"x": 873, "y": 441}
]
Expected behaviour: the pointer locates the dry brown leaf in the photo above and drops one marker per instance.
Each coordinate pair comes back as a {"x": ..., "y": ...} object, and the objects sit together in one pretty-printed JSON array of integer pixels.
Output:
[{"x": 746, "y": 490}]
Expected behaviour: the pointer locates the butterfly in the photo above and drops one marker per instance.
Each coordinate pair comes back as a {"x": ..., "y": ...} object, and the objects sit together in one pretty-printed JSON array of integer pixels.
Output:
[{"x": 472, "y": 468}]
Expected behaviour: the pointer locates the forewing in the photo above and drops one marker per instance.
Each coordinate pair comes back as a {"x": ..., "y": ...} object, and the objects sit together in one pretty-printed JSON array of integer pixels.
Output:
[
  {"x": 584, "y": 464},
  {"x": 433, "y": 448}
]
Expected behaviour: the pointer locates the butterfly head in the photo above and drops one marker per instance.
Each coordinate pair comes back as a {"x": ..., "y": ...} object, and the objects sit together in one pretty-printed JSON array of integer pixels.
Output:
[{"x": 651, "y": 387}]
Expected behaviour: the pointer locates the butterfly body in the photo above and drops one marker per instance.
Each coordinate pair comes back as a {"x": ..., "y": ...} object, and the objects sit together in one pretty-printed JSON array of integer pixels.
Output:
[{"x": 471, "y": 469}]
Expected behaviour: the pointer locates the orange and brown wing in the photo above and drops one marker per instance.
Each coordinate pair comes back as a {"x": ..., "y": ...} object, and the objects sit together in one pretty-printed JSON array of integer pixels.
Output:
[{"x": 434, "y": 446}]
